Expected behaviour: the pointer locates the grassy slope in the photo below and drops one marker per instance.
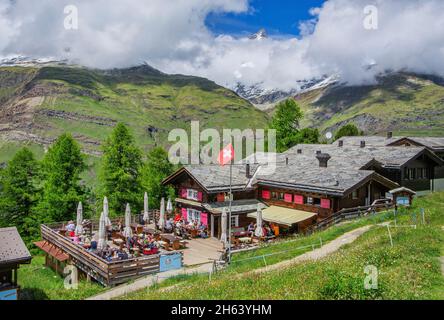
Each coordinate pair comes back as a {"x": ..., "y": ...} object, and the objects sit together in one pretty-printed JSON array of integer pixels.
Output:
[
  {"x": 139, "y": 97},
  {"x": 41, "y": 283},
  {"x": 409, "y": 270},
  {"x": 405, "y": 104}
]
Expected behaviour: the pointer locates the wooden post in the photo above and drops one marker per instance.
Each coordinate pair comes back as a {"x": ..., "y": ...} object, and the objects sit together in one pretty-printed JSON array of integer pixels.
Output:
[{"x": 390, "y": 235}]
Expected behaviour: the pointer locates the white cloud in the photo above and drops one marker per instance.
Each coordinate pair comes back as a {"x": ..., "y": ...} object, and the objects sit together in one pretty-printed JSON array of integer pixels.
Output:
[{"x": 172, "y": 36}]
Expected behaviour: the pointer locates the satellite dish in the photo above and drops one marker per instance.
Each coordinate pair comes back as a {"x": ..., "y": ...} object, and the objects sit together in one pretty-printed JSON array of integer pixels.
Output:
[{"x": 329, "y": 135}]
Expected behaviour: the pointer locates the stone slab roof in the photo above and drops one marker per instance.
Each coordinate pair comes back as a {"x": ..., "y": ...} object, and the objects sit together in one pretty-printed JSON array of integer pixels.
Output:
[
  {"x": 217, "y": 178},
  {"x": 12, "y": 248}
]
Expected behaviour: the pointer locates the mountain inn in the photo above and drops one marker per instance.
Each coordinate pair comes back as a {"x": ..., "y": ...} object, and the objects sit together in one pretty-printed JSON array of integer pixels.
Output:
[{"x": 311, "y": 181}]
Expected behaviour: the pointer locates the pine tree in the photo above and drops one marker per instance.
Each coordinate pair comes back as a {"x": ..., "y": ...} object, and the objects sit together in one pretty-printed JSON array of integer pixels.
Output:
[
  {"x": 19, "y": 193},
  {"x": 62, "y": 191},
  {"x": 347, "y": 131},
  {"x": 120, "y": 171},
  {"x": 155, "y": 170},
  {"x": 286, "y": 123}
]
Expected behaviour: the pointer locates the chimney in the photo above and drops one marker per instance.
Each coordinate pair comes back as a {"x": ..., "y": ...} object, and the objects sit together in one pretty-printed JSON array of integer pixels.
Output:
[
  {"x": 247, "y": 171},
  {"x": 318, "y": 152},
  {"x": 341, "y": 143},
  {"x": 299, "y": 151},
  {"x": 389, "y": 135},
  {"x": 362, "y": 144},
  {"x": 286, "y": 161},
  {"x": 323, "y": 159}
]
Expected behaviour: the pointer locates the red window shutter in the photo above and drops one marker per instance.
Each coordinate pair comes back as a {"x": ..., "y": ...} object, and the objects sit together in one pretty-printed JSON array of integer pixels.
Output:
[
  {"x": 298, "y": 199},
  {"x": 325, "y": 203},
  {"x": 199, "y": 196},
  {"x": 184, "y": 214},
  {"x": 220, "y": 197},
  {"x": 204, "y": 219},
  {"x": 288, "y": 197},
  {"x": 266, "y": 194},
  {"x": 183, "y": 193}
]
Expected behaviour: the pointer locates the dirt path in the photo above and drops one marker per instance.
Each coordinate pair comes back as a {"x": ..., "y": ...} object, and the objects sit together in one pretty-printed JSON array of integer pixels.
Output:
[
  {"x": 148, "y": 281},
  {"x": 316, "y": 254}
]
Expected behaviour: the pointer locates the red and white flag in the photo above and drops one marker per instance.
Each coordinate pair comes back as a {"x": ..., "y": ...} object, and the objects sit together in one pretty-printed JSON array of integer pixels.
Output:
[{"x": 226, "y": 155}]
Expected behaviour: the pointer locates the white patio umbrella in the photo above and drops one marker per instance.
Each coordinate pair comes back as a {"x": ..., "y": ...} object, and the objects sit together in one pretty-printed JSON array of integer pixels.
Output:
[
  {"x": 259, "y": 232},
  {"x": 162, "y": 214},
  {"x": 102, "y": 232},
  {"x": 224, "y": 222},
  {"x": 169, "y": 205},
  {"x": 127, "y": 232},
  {"x": 106, "y": 212},
  {"x": 79, "y": 226},
  {"x": 146, "y": 214}
]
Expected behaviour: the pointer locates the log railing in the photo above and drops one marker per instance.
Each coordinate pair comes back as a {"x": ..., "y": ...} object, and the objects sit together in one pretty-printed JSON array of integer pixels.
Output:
[
  {"x": 347, "y": 214},
  {"x": 105, "y": 272}
]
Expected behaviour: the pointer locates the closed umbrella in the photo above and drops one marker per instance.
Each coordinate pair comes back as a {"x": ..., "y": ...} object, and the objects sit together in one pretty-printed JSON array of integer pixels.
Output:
[
  {"x": 79, "y": 226},
  {"x": 146, "y": 215},
  {"x": 162, "y": 214},
  {"x": 127, "y": 232},
  {"x": 106, "y": 212},
  {"x": 169, "y": 206},
  {"x": 259, "y": 232},
  {"x": 101, "y": 245},
  {"x": 224, "y": 238}
]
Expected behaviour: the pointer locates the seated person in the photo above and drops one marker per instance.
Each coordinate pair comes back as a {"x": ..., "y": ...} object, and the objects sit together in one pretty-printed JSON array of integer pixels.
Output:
[
  {"x": 70, "y": 228},
  {"x": 203, "y": 234},
  {"x": 93, "y": 245},
  {"x": 169, "y": 225},
  {"x": 251, "y": 228}
]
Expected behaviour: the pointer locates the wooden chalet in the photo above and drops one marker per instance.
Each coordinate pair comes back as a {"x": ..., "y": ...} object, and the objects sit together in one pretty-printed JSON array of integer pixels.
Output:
[
  {"x": 292, "y": 199},
  {"x": 13, "y": 253},
  {"x": 423, "y": 174},
  {"x": 310, "y": 182}
]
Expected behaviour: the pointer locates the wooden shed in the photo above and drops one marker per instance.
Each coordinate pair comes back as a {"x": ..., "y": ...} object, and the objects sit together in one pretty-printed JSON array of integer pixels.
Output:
[{"x": 13, "y": 253}]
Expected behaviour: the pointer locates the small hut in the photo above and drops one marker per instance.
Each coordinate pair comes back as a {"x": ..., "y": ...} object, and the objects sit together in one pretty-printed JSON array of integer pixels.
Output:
[
  {"x": 13, "y": 253},
  {"x": 402, "y": 196}
]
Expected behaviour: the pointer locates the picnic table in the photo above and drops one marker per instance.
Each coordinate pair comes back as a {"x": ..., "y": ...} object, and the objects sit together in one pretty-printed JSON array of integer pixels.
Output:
[
  {"x": 171, "y": 241},
  {"x": 241, "y": 234}
]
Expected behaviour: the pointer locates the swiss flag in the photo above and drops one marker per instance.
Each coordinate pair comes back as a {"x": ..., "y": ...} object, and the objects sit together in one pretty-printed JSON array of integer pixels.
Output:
[{"x": 226, "y": 155}]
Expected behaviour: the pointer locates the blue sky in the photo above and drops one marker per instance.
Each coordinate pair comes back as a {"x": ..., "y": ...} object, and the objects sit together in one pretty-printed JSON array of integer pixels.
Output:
[{"x": 278, "y": 17}]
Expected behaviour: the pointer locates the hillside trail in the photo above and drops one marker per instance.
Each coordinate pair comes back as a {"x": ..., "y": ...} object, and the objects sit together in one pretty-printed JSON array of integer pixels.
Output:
[{"x": 325, "y": 250}]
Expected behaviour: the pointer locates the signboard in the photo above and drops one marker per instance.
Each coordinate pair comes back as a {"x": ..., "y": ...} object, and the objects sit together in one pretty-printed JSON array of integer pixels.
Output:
[
  {"x": 170, "y": 262},
  {"x": 9, "y": 295},
  {"x": 403, "y": 201}
]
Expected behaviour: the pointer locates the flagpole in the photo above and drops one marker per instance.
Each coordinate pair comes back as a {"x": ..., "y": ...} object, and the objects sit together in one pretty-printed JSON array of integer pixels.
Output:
[{"x": 229, "y": 212}]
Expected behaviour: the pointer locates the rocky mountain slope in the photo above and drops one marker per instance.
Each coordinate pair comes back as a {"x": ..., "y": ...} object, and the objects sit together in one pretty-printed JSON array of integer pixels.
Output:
[
  {"x": 404, "y": 103},
  {"x": 39, "y": 102}
]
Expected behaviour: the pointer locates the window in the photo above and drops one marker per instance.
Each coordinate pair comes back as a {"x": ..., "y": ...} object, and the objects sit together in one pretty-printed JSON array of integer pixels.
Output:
[
  {"x": 421, "y": 173},
  {"x": 309, "y": 200},
  {"x": 412, "y": 174},
  {"x": 281, "y": 196},
  {"x": 274, "y": 195},
  {"x": 355, "y": 195},
  {"x": 192, "y": 194},
  {"x": 234, "y": 221},
  {"x": 193, "y": 215},
  {"x": 317, "y": 202}
]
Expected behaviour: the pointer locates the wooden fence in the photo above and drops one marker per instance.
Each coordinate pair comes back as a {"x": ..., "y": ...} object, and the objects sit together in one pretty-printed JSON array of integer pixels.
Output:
[
  {"x": 105, "y": 272},
  {"x": 347, "y": 214}
]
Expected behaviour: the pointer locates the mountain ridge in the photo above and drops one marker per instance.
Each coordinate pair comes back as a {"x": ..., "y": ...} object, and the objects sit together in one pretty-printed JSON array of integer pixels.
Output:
[{"x": 38, "y": 103}]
